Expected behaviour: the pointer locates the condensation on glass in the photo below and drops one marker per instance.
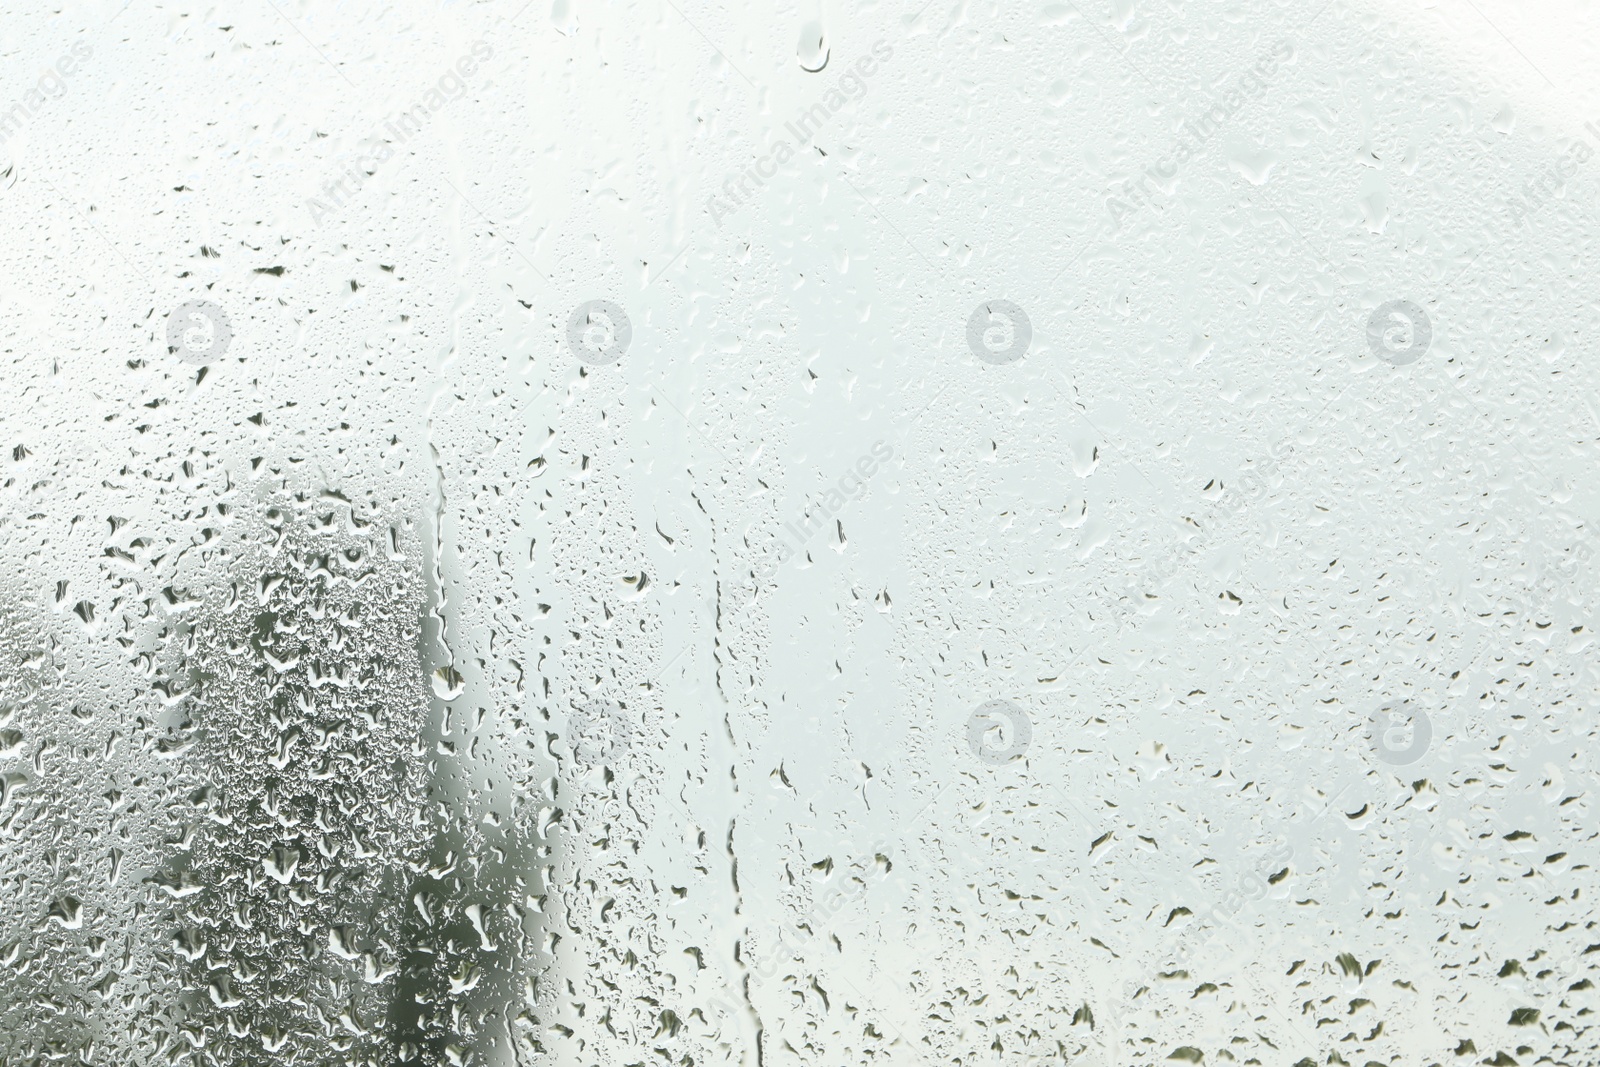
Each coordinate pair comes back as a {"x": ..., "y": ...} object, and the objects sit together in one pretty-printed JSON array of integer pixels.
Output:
[{"x": 681, "y": 534}]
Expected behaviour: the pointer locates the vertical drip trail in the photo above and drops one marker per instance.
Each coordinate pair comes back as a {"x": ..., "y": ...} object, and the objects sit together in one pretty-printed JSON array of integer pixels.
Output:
[
  {"x": 753, "y": 1012},
  {"x": 436, "y": 565}
]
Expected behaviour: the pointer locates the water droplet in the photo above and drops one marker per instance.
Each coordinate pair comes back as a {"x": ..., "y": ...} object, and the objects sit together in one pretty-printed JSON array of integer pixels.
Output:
[
  {"x": 448, "y": 683},
  {"x": 813, "y": 50},
  {"x": 563, "y": 17}
]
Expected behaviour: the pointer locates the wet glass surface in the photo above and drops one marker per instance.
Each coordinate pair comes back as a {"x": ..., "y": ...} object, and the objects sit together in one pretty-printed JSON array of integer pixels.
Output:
[{"x": 849, "y": 533}]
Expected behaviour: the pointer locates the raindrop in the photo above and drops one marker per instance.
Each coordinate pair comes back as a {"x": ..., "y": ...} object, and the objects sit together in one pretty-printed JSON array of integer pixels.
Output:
[
  {"x": 563, "y": 17},
  {"x": 813, "y": 47}
]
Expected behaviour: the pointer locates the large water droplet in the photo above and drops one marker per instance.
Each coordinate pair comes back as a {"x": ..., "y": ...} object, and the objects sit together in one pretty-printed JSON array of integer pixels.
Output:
[
  {"x": 563, "y": 17},
  {"x": 813, "y": 47},
  {"x": 448, "y": 683}
]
